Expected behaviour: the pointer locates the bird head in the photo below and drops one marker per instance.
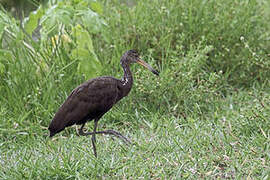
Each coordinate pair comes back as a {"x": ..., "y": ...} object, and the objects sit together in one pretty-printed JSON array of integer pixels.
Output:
[{"x": 132, "y": 56}]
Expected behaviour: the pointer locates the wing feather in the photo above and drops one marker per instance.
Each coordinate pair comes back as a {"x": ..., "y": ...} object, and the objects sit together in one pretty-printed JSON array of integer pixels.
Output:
[{"x": 88, "y": 101}]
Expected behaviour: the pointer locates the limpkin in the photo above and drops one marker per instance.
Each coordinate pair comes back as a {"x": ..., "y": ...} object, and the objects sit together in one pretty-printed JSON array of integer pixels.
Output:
[{"x": 92, "y": 99}]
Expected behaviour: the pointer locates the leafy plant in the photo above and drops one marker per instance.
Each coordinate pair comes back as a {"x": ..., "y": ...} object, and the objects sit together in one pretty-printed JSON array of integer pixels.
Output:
[{"x": 70, "y": 22}]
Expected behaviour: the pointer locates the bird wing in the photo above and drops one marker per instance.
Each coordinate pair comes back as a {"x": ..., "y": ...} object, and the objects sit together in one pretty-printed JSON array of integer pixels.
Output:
[{"x": 88, "y": 101}]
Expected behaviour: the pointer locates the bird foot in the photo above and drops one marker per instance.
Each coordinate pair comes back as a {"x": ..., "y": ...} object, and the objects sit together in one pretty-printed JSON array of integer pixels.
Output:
[
  {"x": 117, "y": 134},
  {"x": 110, "y": 132}
]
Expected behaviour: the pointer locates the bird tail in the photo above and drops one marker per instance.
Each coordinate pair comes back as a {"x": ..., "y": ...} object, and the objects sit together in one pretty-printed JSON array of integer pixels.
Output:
[
  {"x": 51, "y": 133},
  {"x": 54, "y": 128}
]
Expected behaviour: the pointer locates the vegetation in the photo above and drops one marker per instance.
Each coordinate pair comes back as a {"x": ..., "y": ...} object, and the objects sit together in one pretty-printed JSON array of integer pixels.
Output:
[{"x": 206, "y": 116}]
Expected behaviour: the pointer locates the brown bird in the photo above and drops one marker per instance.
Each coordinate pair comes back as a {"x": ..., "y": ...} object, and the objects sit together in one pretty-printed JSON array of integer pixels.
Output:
[{"x": 92, "y": 99}]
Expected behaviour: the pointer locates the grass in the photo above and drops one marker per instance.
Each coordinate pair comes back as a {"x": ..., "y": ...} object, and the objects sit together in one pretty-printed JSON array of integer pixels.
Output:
[
  {"x": 205, "y": 117},
  {"x": 223, "y": 145}
]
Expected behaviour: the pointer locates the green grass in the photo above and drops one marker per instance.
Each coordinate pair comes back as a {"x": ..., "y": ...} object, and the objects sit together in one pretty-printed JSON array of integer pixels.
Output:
[
  {"x": 227, "y": 144},
  {"x": 206, "y": 117}
]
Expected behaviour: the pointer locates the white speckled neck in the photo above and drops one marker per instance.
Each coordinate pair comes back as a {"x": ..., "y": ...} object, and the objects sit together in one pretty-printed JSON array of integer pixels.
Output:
[{"x": 127, "y": 80}]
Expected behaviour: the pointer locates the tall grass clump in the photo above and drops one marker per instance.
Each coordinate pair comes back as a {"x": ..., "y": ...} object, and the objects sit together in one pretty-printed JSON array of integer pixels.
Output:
[
  {"x": 51, "y": 49},
  {"x": 201, "y": 47}
]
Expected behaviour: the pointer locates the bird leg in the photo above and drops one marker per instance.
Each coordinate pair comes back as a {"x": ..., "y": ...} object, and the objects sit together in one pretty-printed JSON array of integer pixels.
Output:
[
  {"x": 94, "y": 137},
  {"x": 90, "y": 133},
  {"x": 110, "y": 132}
]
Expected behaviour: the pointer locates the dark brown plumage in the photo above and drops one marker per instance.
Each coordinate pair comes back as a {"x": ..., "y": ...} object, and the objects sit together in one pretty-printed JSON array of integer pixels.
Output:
[{"x": 92, "y": 99}]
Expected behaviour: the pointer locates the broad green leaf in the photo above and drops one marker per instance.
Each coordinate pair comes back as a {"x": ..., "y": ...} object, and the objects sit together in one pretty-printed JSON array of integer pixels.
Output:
[
  {"x": 79, "y": 53},
  {"x": 92, "y": 21},
  {"x": 32, "y": 21},
  {"x": 88, "y": 65},
  {"x": 55, "y": 16},
  {"x": 83, "y": 38},
  {"x": 96, "y": 6}
]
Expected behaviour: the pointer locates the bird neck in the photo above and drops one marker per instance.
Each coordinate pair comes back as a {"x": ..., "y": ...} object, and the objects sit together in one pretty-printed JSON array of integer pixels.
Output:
[{"x": 127, "y": 80}]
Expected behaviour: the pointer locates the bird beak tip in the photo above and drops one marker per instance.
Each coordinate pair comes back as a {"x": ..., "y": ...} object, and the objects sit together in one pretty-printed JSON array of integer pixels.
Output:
[
  {"x": 155, "y": 72},
  {"x": 141, "y": 62}
]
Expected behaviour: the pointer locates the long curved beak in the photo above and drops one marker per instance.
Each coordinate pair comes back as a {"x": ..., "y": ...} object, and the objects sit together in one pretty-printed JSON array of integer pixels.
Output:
[{"x": 143, "y": 63}]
